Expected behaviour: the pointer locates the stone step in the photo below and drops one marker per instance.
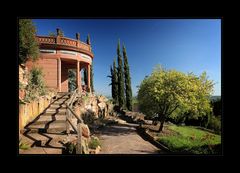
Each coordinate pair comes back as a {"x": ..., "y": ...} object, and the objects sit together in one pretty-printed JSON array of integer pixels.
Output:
[
  {"x": 59, "y": 130},
  {"x": 44, "y": 143},
  {"x": 44, "y": 140},
  {"x": 62, "y": 93},
  {"x": 51, "y": 128},
  {"x": 49, "y": 117},
  {"x": 50, "y": 110},
  {"x": 48, "y": 121},
  {"x": 41, "y": 150},
  {"x": 63, "y": 97},
  {"x": 60, "y": 101},
  {"x": 54, "y": 113},
  {"x": 56, "y": 105}
]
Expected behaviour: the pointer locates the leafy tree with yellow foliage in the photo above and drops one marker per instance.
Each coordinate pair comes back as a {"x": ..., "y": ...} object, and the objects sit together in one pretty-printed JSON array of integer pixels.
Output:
[{"x": 165, "y": 92}]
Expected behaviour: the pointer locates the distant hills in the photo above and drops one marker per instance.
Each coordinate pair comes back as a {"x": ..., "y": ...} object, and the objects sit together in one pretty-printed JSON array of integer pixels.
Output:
[{"x": 214, "y": 98}]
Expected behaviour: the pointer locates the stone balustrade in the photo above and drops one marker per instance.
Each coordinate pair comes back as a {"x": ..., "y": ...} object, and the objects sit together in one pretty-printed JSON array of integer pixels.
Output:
[{"x": 63, "y": 42}]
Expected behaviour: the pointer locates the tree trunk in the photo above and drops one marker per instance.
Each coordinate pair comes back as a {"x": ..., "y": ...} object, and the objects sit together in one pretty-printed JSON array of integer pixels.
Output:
[
  {"x": 162, "y": 120},
  {"x": 161, "y": 126}
]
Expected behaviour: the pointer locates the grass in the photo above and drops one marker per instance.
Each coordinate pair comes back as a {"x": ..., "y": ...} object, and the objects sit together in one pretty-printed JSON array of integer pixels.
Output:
[
  {"x": 191, "y": 140},
  {"x": 23, "y": 146}
]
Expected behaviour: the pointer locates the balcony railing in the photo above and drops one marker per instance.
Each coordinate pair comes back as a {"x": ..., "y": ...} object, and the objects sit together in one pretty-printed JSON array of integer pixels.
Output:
[{"x": 63, "y": 41}]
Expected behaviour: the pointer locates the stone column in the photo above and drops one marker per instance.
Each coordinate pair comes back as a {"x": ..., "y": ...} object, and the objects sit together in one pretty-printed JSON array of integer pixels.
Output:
[
  {"x": 88, "y": 73},
  {"x": 59, "y": 75},
  {"x": 79, "y": 82}
]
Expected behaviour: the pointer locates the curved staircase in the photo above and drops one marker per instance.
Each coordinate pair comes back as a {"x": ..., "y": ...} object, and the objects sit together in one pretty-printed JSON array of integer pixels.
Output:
[{"x": 47, "y": 132}]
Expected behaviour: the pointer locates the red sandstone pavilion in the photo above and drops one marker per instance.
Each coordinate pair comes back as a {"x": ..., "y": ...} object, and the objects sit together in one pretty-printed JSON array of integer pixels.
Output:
[{"x": 59, "y": 54}]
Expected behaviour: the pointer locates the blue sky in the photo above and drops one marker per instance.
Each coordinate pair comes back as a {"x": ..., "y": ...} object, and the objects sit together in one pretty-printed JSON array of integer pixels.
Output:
[{"x": 187, "y": 45}]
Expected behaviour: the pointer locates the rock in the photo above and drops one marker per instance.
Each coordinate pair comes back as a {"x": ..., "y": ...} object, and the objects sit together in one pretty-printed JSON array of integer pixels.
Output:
[
  {"x": 110, "y": 108},
  {"x": 92, "y": 107},
  {"x": 23, "y": 72},
  {"x": 121, "y": 121},
  {"x": 102, "y": 105},
  {"x": 22, "y": 94},
  {"x": 97, "y": 150},
  {"x": 85, "y": 131},
  {"x": 102, "y": 99},
  {"x": 88, "y": 107},
  {"x": 84, "y": 142},
  {"x": 92, "y": 151}
]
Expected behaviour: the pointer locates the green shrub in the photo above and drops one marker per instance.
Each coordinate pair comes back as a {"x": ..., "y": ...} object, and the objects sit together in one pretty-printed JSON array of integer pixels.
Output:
[
  {"x": 23, "y": 146},
  {"x": 217, "y": 107},
  {"x": 94, "y": 143},
  {"x": 88, "y": 117},
  {"x": 70, "y": 148},
  {"x": 36, "y": 86},
  {"x": 215, "y": 124},
  {"x": 21, "y": 85}
]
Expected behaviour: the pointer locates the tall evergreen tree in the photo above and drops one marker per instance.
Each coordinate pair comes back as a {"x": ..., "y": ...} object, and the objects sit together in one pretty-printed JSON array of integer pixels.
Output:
[
  {"x": 88, "y": 40},
  {"x": 115, "y": 82},
  {"x": 128, "y": 88},
  {"x": 28, "y": 46},
  {"x": 91, "y": 77},
  {"x": 120, "y": 78},
  {"x": 112, "y": 82},
  {"x": 85, "y": 76}
]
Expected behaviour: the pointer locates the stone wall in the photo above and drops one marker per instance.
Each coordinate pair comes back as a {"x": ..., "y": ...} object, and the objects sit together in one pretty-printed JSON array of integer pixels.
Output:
[
  {"x": 29, "y": 111},
  {"x": 49, "y": 67}
]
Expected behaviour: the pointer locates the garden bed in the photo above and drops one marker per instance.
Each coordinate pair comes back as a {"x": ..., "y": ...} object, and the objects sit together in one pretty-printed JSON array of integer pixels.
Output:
[{"x": 185, "y": 139}]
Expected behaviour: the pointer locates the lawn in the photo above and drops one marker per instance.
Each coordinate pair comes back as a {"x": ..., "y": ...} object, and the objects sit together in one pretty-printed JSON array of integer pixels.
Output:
[{"x": 190, "y": 140}]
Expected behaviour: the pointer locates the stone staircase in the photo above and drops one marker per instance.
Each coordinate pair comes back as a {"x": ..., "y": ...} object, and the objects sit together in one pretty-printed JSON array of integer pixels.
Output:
[{"x": 46, "y": 133}]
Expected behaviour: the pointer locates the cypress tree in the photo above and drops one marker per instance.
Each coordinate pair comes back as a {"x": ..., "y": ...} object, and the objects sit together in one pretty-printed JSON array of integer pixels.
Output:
[
  {"x": 128, "y": 88},
  {"x": 88, "y": 40},
  {"x": 120, "y": 78},
  {"x": 85, "y": 76},
  {"x": 115, "y": 82},
  {"x": 91, "y": 77},
  {"x": 111, "y": 76}
]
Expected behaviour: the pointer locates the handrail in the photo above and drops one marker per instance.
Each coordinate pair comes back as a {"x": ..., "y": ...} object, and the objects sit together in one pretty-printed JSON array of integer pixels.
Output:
[
  {"x": 78, "y": 118},
  {"x": 70, "y": 112},
  {"x": 74, "y": 128}
]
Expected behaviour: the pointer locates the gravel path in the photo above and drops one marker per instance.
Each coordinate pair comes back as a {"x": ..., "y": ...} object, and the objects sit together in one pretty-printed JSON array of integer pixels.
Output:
[{"x": 123, "y": 139}]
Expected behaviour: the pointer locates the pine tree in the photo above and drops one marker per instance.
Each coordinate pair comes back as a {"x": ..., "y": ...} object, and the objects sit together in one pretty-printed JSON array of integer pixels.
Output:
[
  {"x": 120, "y": 78},
  {"x": 128, "y": 88},
  {"x": 91, "y": 77},
  {"x": 115, "y": 83}
]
